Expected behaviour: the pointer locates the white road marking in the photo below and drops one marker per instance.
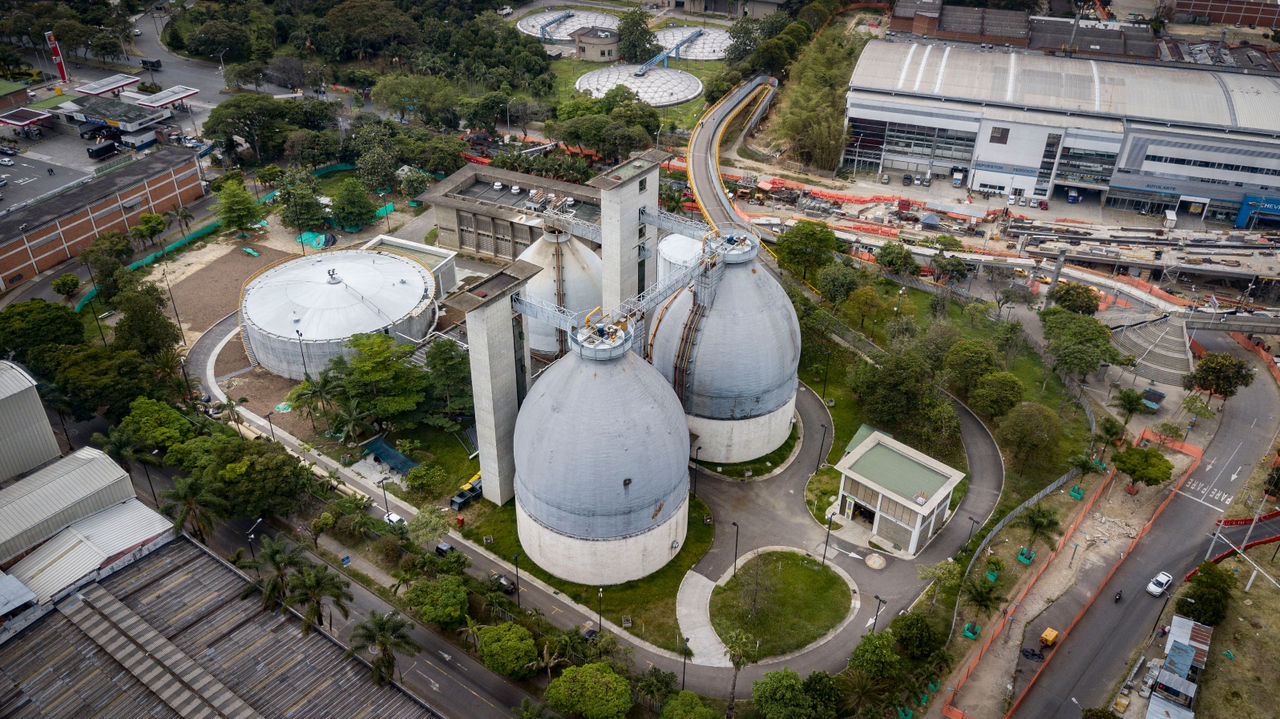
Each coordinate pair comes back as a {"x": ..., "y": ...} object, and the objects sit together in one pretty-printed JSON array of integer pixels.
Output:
[{"x": 1201, "y": 501}]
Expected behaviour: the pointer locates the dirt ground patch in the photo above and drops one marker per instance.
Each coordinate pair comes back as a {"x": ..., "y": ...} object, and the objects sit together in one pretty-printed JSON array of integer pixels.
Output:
[
  {"x": 1103, "y": 534},
  {"x": 231, "y": 359},
  {"x": 264, "y": 391},
  {"x": 211, "y": 288}
]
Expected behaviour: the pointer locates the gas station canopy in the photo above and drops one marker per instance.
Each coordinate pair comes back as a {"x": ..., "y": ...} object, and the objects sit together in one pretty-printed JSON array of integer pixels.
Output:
[
  {"x": 22, "y": 117},
  {"x": 108, "y": 84},
  {"x": 168, "y": 96}
]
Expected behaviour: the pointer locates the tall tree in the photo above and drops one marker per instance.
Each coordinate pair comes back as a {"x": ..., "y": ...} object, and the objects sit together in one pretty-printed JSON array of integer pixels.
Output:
[
  {"x": 1028, "y": 432},
  {"x": 309, "y": 586},
  {"x": 143, "y": 326},
  {"x": 780, "y": 694},
  {"x": 944, "y": 574},
  {"x": 897, "y": 258},
  {"x": 507, "y": 649},
  {"x": 807, "y": 246},
  {"x": 996, "y": 394},
  {"x": 1075, "y": 297},
  {"x": 967, "y": 362},
  {"x": 1129, "y": 402},
  {"x": 66, "y": 285},
  {"x": 236, "y": 207},
  {"x": 300, "y": 207},
  {"x": 592, "y": 691},
  {"x": 1041, "y": 522},
  {"x": 191, "y": 504},
  {"x": 636, "y": 42},
  {"x": 1144, "y": 464},
  {"x": 352, "y": 207},
  {"x": 26, "y": 326},
  {"x": 442, "y": 601},
  {"x": 281, "y": 558},
  {"x": 1219, "y": 373},
  {"x": 383, "y": 635},
  {"x": 738, "y": 647}
]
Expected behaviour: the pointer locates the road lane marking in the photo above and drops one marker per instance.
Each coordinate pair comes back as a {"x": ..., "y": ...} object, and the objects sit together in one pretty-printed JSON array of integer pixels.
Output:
[
  {"x": 464, "y": 686},
  {"x": 1201, "y": 501}
]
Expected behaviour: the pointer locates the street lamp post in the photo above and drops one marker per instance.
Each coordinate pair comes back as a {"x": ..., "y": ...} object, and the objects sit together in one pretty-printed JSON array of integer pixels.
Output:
[
  {"x": 516, "y": 559},
  {"x": 684, "y": 663},
  {"x": 735, "y": 548},
  {"x": 96, "y": 294},
  {"x": 600, "y": 609},
  {"x": 826, "y": 542},
  {"x": 271, "y": 425},
  {"x": 826, "y": 368},
  {"x": 222, "y": 69},
  {"x": 386, "y": 506},
  {"x": 972, "y": 524},
  {"x": 182, "y": 364},
  {"x": 822, "y": 443},
  {"x": 149, "y": 484},
  {"x": 250, "y": 534},
  {"x": 302, "y": 353},
  {"x": 879, "y": 605}
]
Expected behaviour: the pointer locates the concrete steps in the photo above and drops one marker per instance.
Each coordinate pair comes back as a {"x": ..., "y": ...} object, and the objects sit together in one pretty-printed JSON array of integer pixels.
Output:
[{"x": 1160, "y": 348}]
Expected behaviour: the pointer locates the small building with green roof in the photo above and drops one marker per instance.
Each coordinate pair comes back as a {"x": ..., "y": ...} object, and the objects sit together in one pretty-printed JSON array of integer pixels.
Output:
[{"x": 903, "y": 493}]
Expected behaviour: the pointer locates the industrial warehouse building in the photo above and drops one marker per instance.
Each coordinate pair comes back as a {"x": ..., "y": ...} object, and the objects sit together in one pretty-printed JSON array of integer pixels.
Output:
[
  {"x": 905, "y": 494},
  {"x": 1140, "y": 137},
  {"x": 40, "y": 236}
]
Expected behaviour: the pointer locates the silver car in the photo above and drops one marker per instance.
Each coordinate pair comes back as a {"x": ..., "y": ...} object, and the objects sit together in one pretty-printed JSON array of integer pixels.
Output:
[{"x": 1159, "y": 583}]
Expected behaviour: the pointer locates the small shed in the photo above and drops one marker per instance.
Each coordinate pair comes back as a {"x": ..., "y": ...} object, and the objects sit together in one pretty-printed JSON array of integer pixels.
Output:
[{"x": 930, "y": 221}]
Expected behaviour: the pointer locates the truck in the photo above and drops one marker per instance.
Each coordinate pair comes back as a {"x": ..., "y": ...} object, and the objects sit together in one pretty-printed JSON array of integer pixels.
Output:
[
  {"x": 1072, "y": 196},
  {"x": 957, "y": 178},
  {"x": 102, "y": 150},
  {"x": 150, "y": 64},
  {"x": 1170, "y": 219}
]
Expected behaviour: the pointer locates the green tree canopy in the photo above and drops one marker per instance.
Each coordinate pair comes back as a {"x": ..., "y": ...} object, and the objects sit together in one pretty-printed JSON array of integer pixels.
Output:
[
  {"x": 996, "y": 394},
  {"x": 507, "y": 649},
  {"x": 1079, "y": 343},
  {"x": 236, "y": 207},
  {"x": 300, "y": 207},
  {"x": 442, "y": 600},
  {"x": 877, "y": 655},
  {"x": 1146, "y": 465},
  {"x": 837, "y": 281},
  {"x": 1220, "y": 373},
  {"x": 865, "y": 302},
  {"x": 351, "y": 205},
  {"x": 1075, "y": 297},
  {"x": 143, "y": 326},
  {"x": 636, "y": 42},
  {"x": 1028, "y": 432},
  {"x": 1207, "y": 599},
  {"x": 807, "y": 246},
  {"x": 897, "y": 258},
  {"x": 916, "y": 637},
  {"x": 157, "y": 423},
  {"x": 97, "y": 379},
  {"x": 591, "y": 691},
  {"x": 687, "y": 705},
  {"x": 254, "y": 479},
  {"x": 966, "y": 363},
  {"x": 780, "y": 694},
  {"x": 25, "y": 326},
  {"x": 66, "y": 285}
]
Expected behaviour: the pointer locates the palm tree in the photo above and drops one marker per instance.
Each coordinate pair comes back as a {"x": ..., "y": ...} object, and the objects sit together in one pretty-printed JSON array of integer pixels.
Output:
[
  {"x": 1129, "y": 402},
  {"x": 982, "y": 594},
  {"x": 310, "y": 585},
  {"x": 349, "y": 420},
  {"x": 190, "y": 502},
  {"x": 229, "y": 406},
  {"x": 529, "y": 709},
  {"x": 1109, "y": 430},
  {"x": 166, "y": 368},
  {"x": 555, "y": 651},
  {"x": 655, "y": 685},
  {"x": 1041, "y": 522},
  {"x": 181, "y": 215},
  {"x": 278, "y": 556},
  {"x": 125, "y": 447},
  {"x": 383, "y": 634},
  {"x": 471, "y": 631},
  {"x": 1082, "y": 464},
  {"x": 737, "y": 646}
]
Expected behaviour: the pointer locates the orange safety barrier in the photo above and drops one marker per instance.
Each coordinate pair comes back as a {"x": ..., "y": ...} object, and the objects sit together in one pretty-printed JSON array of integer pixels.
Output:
[
  {"x": 1197, "y": 349},
  {"x": 1196, "y": 453},
  {"x": 954, "y": 712},
  {"x": 1262, "y": 354}
]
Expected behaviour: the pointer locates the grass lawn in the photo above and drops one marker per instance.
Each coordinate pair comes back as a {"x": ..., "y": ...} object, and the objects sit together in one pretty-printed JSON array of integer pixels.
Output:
[
  {"x": 796, "y": 601},
  {"x": 760, "y": 466},
  {"x": 436, "y": 447},
  {"x": 329, "y": 183},
  {"x": 650, "y": 602},
  {"x": 822, "y": 486}
]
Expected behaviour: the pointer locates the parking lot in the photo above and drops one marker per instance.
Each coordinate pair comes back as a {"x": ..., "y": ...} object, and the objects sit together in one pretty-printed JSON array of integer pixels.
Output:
[{"x": 29, "y": 178}]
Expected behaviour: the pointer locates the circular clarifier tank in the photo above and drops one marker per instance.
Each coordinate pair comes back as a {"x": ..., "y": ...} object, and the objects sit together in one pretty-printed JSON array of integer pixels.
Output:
[
  {"x": 711, "y": 43},
  {"x": 563, "y": 29},
  {"x": 659, "y": 87}
]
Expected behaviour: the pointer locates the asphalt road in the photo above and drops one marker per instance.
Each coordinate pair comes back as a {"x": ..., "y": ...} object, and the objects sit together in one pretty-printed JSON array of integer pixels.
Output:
[{"x": 1093, "y": 658}]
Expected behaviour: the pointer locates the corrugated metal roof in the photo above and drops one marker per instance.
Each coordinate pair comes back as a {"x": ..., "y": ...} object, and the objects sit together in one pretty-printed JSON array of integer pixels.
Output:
[
  {"x": 1070, "y": 85},
  {"x": 50, "y": 499},
  {"x": 86, "y": 545},
  {"x": 13, "y": 379}
]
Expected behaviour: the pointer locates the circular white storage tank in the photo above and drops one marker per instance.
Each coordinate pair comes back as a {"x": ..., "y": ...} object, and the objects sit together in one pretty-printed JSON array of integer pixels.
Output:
[
  {"x": 601, "y": 453},
  {"x": 570, "y": 276},
  {"x": 675, "y": 253},
  {"x": 740, "y": 381},
  {"x": 300, "y": 314}
]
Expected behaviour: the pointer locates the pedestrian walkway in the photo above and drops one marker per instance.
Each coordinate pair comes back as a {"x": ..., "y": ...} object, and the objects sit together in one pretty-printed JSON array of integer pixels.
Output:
[{"x": 693, "y": 611}]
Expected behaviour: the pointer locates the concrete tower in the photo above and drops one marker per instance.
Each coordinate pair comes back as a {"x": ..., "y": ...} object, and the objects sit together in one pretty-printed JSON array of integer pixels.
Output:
[
  {"x": 626, "y": 244},
  {"x": 499, "y": 357}
]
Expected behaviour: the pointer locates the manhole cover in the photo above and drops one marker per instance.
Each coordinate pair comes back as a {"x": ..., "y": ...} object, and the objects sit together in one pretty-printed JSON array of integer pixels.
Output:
[{"x": 875, "y": 561}]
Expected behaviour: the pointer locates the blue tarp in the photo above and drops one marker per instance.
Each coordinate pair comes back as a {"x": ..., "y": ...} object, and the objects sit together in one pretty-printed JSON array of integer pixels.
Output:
[{"x": 387, "y": 454}]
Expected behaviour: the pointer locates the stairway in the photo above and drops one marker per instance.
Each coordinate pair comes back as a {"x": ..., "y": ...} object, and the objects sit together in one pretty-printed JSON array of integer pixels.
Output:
[{"x": 1160, "y": 348}]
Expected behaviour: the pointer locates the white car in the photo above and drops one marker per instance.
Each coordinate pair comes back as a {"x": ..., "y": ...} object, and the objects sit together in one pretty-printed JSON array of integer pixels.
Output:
[
  {"x": 6, "y": 162},
  {"x": 393, "y": 518},
  {"x": 1159, "y": 583},
  {"x": 137, "y": 32}
]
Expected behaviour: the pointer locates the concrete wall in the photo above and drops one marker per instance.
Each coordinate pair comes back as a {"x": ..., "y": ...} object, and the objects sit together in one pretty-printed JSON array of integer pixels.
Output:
[
  {"x": 42, "y": 248},
  {"x": 494, "y": 387},
  {"x": 622, "y": 232},
  {"x": 740, "y": 440},
  {"x": 603, "y": 562},
  {"x": 27, "y": 438},
  {"x": 1013, "y": 164}
]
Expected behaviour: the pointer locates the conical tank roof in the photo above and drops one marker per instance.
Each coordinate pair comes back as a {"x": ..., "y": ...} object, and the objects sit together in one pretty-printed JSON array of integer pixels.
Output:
[
  {"x": 746, "y": 349},
  {"x": 601, "y": 445},
  {"x": 569, "y": 267}
]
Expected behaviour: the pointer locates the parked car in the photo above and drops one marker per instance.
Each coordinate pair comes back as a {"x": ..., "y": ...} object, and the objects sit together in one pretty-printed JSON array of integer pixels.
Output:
[
  {"x": 444, "y": 548},
  {"x": 504, "y": 583},
  {"x": 392, "y": 518},
  {"x": 884, "y": 179},
  {"x": 1044, "y": 204},
  {"x": 918, "y": 180},
  {"x": 3, "y": 182},
  {"x": 1159, "y": 583},
  {"x": 927, "y": 181},
  {"x": 6, "y": 150},
  {"x": 906, "y": 180},
  {"x": 1013, "y": 200},
  {"x": 6, "y": 162},
  {"x": 1022, "y": 201}
]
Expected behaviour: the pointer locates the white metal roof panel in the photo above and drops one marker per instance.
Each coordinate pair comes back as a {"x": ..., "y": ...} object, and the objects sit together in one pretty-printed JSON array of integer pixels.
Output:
[
  {"x": 13, "y": 593},
  {"x": 168, "y": 96},
  {"x": 13, "y": 379},
  {"x": 107, "y": 84},
  {"x": 1163, "y": 94},
  {"x": 86, "y": 545},
  {"x": 50, "y": 499}
]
